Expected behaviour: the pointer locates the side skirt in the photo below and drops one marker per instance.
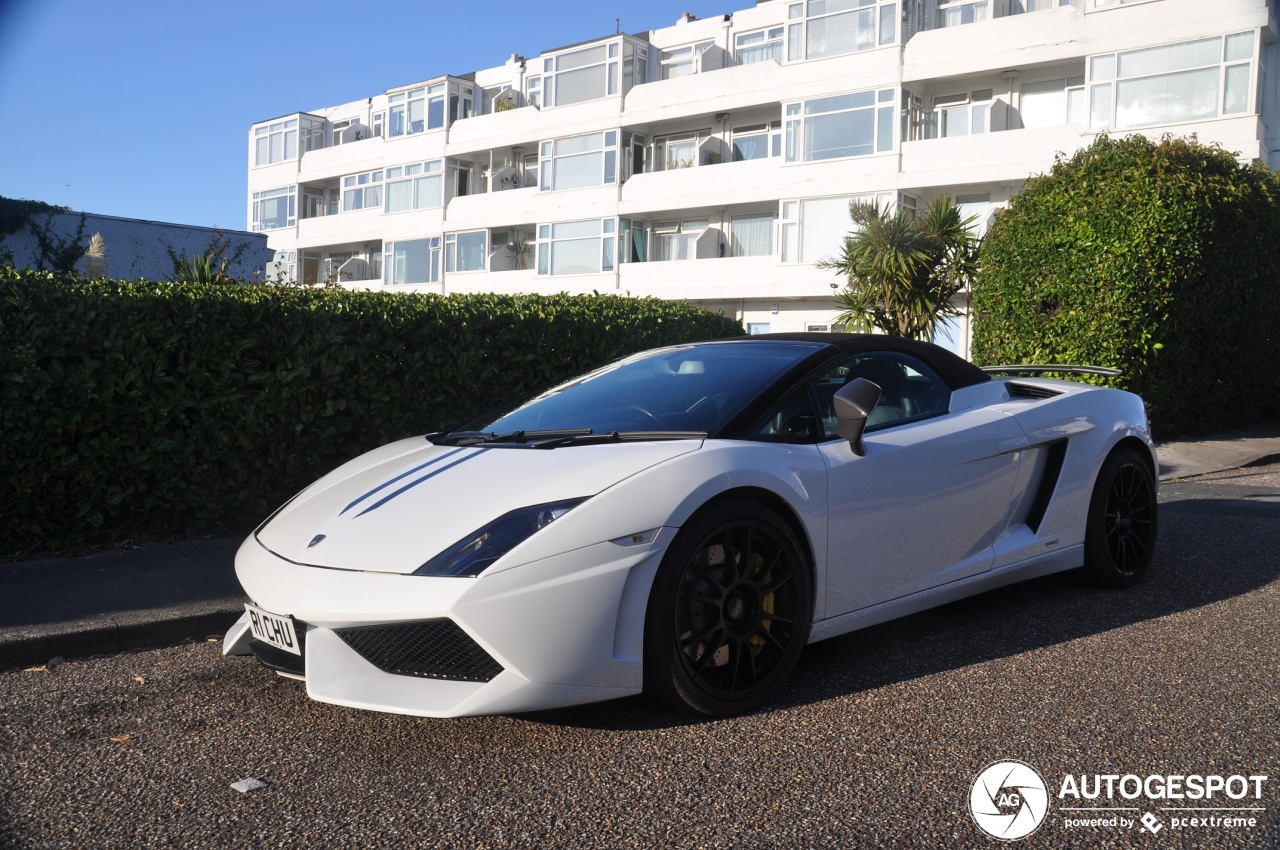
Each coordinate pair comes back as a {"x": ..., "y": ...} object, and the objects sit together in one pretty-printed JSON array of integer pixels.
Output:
[{"x": 1054, "y": 562}]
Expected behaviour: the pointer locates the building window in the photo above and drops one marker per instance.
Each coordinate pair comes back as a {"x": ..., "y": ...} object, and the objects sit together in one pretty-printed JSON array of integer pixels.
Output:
[
  {"x": 755, "y": 328},
  {"x": 677, "y": 240},
  {"x": 275, "y": 142},
  {"x": 407, "y": 112},
  {"x": 533, "y": 90},
  {"x": 751, "y": 235},
  {"x": 312, "y": 134},
  {"x": 679, "y": 150},
  {"x": 955, "y": 13},
  {"x": 1052, "y": 102},
  {"x": 417, "y": 186},
  {"x": 412, "y": 261},
  {"x": 362, "y": 191},
  {"x": 818, "y": 29},
  {"x": 856, "y": 124},
  {"x": 814, "y": 228},
  {"x": 681, "y": 61},
  {"x": 757, "y": 141},
  {"x": 1189, "y": 81},
  {"x": 275, "y": 208},
  {"x": 465, "y": 252},
  {"x": 960, "y": 115},
  {"x": 577, "y": 162},
  {"x": 760, "y": 46},
  {"x": 576, "y": 247},
  {"x": 582, "y": 75}
]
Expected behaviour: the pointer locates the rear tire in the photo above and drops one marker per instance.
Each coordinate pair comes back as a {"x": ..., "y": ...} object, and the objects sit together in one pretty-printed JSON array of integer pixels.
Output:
[
  {"x": 1120, "y": 531},
  {"x": 730, "y": 610}
]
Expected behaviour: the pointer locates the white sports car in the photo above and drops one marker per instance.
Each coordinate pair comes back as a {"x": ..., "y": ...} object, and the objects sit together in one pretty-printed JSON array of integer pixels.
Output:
[{"x": 685, "y": 520}]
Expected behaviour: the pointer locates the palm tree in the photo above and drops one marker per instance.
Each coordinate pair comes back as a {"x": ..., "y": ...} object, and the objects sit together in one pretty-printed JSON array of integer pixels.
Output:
[{"x": 903, "y": 273}]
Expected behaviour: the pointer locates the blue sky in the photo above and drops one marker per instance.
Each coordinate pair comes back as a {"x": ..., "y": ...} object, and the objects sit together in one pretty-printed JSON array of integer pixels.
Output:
[{"x": 142, "y": 108}]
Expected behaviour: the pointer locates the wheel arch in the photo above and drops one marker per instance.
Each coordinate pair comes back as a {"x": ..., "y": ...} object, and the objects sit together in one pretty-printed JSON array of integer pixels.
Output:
[{"x": 778, "y": 505}]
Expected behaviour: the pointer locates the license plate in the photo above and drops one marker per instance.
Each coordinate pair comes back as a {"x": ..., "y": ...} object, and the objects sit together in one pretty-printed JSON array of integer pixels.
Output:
[{"x": 273, "y": 629}]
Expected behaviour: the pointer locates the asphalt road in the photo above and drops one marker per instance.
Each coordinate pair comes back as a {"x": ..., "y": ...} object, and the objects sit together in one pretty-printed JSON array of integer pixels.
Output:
[{"x": 876, "y": 743}]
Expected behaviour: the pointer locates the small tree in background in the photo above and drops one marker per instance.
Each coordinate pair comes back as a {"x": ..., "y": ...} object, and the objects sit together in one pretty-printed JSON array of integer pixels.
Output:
[
  {"x": 1154, "y": 257},
  {"x": 903, "y": 273},
  {"x": 95, "y": 257}
]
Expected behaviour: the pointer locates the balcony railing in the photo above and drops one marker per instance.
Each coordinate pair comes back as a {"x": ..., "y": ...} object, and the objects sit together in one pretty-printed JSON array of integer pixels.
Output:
[{"x": 954, "y": 13}]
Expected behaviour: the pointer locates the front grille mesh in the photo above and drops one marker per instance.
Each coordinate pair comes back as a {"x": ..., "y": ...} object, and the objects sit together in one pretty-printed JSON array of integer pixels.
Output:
[{"x": 430, "y": 649}]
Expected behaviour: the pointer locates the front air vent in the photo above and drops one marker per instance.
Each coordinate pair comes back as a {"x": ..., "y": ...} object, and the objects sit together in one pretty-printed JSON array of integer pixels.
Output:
[
  {"x": 430, "y": 649},
  {"x": 1017, "y": 390}
]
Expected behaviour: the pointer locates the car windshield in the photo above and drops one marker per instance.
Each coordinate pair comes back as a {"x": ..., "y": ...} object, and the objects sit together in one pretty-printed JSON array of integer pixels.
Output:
[{"x": 678, "y": 390}]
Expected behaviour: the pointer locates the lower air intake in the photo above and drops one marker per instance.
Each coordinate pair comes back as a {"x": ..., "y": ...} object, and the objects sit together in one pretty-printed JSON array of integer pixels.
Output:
[{"x": 429, "y": 649}]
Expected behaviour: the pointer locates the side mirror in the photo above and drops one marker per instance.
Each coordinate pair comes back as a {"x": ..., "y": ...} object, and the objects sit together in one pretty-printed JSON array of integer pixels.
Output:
[{"x": 853, "y": 403}]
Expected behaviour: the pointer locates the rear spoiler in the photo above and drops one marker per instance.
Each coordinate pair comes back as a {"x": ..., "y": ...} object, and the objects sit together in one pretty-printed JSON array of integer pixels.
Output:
[{"x": 1053, "y": 367}]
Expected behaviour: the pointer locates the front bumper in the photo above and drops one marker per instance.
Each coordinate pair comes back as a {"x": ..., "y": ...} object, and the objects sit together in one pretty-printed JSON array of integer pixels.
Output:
[{"x": 555, "y": 632}]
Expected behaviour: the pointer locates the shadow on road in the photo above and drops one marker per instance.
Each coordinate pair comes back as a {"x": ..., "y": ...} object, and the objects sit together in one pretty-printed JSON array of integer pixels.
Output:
[{"x": 1208, "y": 550}]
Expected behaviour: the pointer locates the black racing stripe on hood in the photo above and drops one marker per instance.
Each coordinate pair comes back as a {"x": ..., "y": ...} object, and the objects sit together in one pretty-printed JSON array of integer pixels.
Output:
[
  {"x": 432, "y": 474},
  {"x": 384, "y": 485}
]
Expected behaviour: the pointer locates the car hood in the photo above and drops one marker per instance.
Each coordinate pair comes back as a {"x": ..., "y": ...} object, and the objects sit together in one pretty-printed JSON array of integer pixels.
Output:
[{"x": 393, "y": 509}]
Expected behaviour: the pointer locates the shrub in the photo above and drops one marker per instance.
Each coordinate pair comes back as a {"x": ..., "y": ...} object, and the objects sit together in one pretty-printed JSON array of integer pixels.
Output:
[
  {"x": 138, "y": 409},
  {"x": 1154, "y": 257}
]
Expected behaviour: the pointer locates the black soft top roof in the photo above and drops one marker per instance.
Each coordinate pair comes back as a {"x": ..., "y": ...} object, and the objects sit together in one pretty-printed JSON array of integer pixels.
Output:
[{"x": 952, "y": 368}]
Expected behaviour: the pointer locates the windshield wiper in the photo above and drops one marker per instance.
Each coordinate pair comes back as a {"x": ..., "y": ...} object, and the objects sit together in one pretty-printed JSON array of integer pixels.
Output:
[
  {"x": 472, "y": 438},
  {"x": 618, "y": 437}
]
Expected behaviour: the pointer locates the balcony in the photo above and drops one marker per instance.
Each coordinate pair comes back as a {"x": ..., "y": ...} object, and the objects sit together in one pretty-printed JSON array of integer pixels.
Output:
[
  {"x": 1006, "y": 156},
  {"x": 725, "y": 277},
  {"x": 994, "y": 44},
  {"x": 349, "y": 158},
  {"x": 719, "y": 185},
  {"x": 358, "y": 226},
  {"x": 735, "y": 87}
]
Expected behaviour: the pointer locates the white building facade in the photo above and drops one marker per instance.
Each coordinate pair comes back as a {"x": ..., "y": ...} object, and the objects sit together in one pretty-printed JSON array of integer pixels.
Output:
[{"x": 714, "y": 160}]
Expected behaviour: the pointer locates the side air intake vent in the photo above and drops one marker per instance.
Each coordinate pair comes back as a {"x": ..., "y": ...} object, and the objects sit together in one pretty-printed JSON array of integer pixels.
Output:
[{"x": 1017, "y": 390}]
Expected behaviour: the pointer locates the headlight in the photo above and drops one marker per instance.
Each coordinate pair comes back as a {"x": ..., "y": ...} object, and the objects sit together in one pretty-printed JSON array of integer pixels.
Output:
[{"x": 471, "y": 555}]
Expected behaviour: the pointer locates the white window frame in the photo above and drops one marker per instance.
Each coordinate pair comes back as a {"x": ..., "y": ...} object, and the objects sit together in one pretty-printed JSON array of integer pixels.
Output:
[
  {"x": 810, "y": 20},
  {"x": 275, "y": 142},
  {"x": 414, "y": 173},
  {"x": 760, "y": 45},
  {"x": 769, "y": 131},
  {"x": 792, "y": 223},
  {"x": 669, "y": 239},
  {"x": 675, "y": 58},
  {"x": 958, "y": 13},
  {"x": 454, "y": 252},
  {"x": 559, "y": 236},
  {"x": 391, "y": 266},
  {"x": 555, "y": 156},
  {"x": 362, "y": 191},
  {"x": 802, "y": 123},
  {"x": 1235, "y": 59},
  {"x": 975, "y": 107},
  {"x": 736, "y": 248},
  {"x": 1073, "y": 100},
  {"x": 261, "y": 199},
  {"x": 662, "y": 149}
]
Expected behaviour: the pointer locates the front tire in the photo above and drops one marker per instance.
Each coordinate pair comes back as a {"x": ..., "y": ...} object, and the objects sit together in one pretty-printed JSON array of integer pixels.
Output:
[
  {"x": 1120, "y": 531},
  {"x": 730, "y": 610}
]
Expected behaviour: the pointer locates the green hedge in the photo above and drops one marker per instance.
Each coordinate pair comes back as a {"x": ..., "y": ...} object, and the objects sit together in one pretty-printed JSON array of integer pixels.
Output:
[
  {"x": 1154, "y": 257},
  {"x": 148, "y": 410}
]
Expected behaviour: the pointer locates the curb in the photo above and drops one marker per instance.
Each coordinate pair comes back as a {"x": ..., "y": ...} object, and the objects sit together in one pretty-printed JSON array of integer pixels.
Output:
[{"x": 110, "y": 635}]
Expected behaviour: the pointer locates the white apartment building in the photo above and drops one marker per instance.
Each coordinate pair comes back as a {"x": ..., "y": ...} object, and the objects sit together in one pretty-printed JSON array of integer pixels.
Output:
[{"x": 714, "y": 160}]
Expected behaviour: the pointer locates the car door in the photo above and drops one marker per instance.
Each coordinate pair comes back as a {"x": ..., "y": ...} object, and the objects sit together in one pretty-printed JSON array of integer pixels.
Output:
[{"x": 931, "y": 495}]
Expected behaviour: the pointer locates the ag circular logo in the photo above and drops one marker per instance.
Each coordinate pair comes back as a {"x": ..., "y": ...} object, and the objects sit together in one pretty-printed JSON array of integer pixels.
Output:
[{"x": 1009, "y": 800}]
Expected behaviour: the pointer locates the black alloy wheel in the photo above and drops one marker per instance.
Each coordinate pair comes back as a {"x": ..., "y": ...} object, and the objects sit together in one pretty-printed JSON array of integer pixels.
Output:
[
  {"x": 730, "y": 610},
  {"x": 1120, "y": 532}
]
